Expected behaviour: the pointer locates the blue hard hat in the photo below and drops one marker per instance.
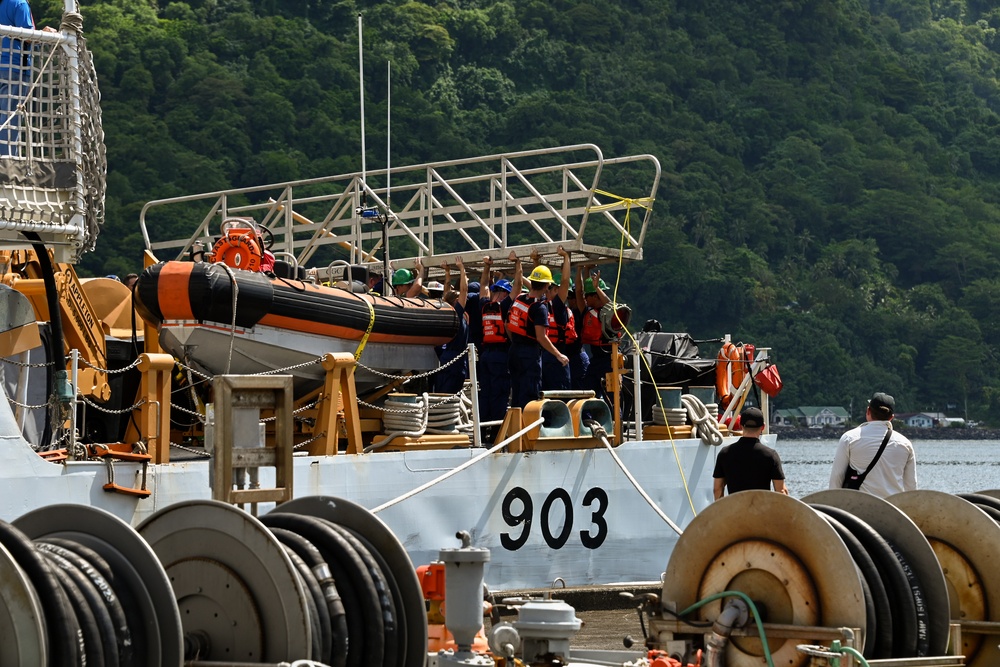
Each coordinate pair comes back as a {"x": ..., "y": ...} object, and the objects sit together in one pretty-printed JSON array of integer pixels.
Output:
[{"x": 503, "y": 284}]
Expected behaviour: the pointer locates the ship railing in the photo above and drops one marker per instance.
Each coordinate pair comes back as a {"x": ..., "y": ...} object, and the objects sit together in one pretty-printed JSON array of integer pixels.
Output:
[
  {"x": 52, "y": 158},
  {"x": 597, "y": 208}
]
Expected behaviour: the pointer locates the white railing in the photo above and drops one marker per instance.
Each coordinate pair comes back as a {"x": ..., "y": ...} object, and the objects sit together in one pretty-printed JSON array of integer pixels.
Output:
[{"x": 538, "y": 199}]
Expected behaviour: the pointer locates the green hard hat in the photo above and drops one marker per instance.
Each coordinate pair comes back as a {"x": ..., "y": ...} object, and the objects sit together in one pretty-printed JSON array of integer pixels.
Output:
[
  {"x": 402, "y": 277},
  {"x": 588, "y": 286}
]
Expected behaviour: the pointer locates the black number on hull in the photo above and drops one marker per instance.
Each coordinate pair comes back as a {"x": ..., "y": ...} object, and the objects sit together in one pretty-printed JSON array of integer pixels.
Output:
[
  {"x": 513, "y": 520},
  {"x": 557, "y": 541},
  {"x": 592, "y": 541},
  {"x": 592, "y": 538}
]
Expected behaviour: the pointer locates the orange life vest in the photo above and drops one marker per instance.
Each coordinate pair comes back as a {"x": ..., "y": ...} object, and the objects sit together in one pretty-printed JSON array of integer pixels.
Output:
[
  {"x": 592, "y": 334},
  {"x": 561, "y": 334},
  {"x": 493, "y": 327},
  {"x": 517, "y": 318}
]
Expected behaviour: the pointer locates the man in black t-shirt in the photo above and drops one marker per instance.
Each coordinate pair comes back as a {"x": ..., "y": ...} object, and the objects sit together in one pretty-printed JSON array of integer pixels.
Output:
[{"x": 748, "y": 463}]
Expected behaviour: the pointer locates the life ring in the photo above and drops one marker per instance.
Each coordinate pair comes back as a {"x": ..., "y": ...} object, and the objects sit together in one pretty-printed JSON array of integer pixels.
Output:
[
  {"x": 730, "y": 369},
  {"x": 238, "y": 249}
]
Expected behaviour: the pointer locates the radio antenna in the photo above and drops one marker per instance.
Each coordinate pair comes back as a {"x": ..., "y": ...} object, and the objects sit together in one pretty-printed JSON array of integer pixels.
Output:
[
  {"x": 361, "y": 83},
  {"x": 388, "y": 128}
]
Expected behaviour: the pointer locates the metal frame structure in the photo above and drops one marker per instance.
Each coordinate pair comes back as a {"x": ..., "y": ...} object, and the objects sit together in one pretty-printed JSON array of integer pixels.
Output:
[
  {"x": 53, "y": 167},
  {"x": 537, "y": 199}
]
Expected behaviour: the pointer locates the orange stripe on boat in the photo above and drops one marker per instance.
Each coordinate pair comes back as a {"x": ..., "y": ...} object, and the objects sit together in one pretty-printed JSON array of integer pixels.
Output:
[
  {"x": 347, "y": 333},
  {"x": 172, "y": 290}
]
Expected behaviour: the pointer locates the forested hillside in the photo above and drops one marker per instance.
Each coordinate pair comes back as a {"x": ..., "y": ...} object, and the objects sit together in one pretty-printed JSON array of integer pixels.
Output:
[{"x": 830, "y": 166}]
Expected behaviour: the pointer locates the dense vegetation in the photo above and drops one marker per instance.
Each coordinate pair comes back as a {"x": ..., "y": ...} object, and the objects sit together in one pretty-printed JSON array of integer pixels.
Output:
[{"x": 830, "y": 166}]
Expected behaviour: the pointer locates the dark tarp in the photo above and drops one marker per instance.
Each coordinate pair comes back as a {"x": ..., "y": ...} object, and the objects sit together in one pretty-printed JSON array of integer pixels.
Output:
[{"x": 675, "y": 362}]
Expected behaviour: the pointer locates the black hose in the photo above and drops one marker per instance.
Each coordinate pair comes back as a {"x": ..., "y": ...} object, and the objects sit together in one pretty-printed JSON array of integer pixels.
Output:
[
  {"x": 62, "y": 627},
  {"x": 96, "y": 569},
  {"x": 137, "y": 647},
  {"x": 354, "y": 583},
  {"x": 988, "y": 504},
  {"x": 324, "y": 627},
  {"x": 897, "y": 585},
  {"x": 103, "y": 651},
  {"x": 90, "y": 636},
  {"x": 878, "y": 614},
  {"x": 391, "y": 639},
  {"x": 920, "y": 603},
  {"x": 334, "y": 606},
  {"x": 312, "y": 598},
  {"x": 57, "y": 351}
]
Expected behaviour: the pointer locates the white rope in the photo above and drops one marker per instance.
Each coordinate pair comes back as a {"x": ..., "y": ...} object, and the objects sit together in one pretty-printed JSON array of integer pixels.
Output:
[
  {"x": 454, "y": 471},
  {"x": 232, "y": 326},
  {"x": 708, "y": 427},
  {"x": 404, "y": 422},
  {"x": 603, "y": 435}
]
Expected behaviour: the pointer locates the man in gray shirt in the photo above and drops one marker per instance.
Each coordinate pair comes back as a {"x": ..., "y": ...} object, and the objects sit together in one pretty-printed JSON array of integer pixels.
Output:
[{"x": 896, "y": 469}]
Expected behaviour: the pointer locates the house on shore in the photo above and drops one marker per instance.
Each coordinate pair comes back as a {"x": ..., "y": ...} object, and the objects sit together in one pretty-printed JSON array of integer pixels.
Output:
[
  {"x": 811, "y": 416},
  {"x": 929, "y": 419}
]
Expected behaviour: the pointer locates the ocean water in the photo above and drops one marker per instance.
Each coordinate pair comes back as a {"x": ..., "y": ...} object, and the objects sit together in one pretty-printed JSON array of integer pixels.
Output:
[{"x": 952, "y": 466}]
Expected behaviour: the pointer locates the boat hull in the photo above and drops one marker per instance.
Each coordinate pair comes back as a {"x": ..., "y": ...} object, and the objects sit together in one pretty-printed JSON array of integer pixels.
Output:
[
  {"x": 282, "y": 323},
  {"x": 213, "y": 349},
  {"x": 570, "y": 515}
]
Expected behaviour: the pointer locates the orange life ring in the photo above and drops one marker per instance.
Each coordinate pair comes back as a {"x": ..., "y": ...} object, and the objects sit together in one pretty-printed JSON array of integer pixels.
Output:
[
  {"x": 730, "y": 369},
  {"x": 238, "y": 249}
]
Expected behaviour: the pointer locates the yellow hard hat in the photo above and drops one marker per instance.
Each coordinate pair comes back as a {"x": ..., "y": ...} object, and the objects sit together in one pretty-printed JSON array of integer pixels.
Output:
[{"x": 541, "y": 274}]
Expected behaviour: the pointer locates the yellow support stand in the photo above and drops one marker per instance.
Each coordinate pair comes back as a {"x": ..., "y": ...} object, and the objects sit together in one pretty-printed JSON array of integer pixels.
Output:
[
  {"x": 338, "y": 386},
  {"x": 154, "y": 413}
]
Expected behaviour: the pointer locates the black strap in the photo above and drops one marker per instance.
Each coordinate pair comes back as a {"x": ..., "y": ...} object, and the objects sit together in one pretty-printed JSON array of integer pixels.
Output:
[{"x": 878, "y": 455}]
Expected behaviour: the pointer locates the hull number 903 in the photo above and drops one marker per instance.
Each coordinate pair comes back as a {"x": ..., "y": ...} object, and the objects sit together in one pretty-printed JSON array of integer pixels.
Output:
[{"x": 518, "y": 511}]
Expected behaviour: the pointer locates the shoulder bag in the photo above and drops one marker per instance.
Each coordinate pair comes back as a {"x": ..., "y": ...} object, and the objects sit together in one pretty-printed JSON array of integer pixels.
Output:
[{"x": 854, "y": 479}]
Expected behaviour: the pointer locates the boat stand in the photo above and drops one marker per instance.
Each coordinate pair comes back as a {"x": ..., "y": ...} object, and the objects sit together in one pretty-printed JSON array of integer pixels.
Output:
[{"x": 239, "y": 445}]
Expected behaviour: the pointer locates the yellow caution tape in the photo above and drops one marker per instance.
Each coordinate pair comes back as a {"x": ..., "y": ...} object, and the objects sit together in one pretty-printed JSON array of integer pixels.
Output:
[{"x": 371, "y": 323}]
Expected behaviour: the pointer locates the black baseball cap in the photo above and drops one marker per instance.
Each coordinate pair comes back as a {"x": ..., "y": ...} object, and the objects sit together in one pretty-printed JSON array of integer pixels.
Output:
[
  {"x": 752, "y": 417},
  {"x": 882, "y": 404}
]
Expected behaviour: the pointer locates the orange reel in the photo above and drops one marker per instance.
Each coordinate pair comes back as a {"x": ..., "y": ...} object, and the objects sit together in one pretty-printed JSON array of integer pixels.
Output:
[{"x": 239, "y": 249}]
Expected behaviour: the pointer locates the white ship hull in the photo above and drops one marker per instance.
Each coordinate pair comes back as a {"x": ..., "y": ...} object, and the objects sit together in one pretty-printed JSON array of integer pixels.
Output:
[{"x": 586, "y": 523}]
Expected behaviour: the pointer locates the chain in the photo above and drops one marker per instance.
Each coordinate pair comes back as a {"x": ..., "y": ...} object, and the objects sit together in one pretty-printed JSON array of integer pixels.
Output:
[
  {"x": 22, "y": 364},
  {"x": 174, "y": 406},
  {"x": 310, "y": 440},
  {"x": 200, "y": 452},
  {"x": 25, "y": 406},
  {"x": 308, "y": 406},
  {"x": 108, "y": 370},
  {"x": 192, "y": 370},
  {"x": 108, "y": 411},
  {"x": 393, "y": 411},
  {"x": 418, "y": 376},
  {"x": 278, "y": 371}
]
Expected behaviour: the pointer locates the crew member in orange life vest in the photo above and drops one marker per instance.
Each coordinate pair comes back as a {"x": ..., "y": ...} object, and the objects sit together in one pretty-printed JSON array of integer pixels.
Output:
[
  {"x": 593, "y": 335},
  {"x": 526, "y": 327},
  {"x": 494, "y": 374},
  {"x": 451, "y": 378},
  {"x": 561, "y": 327}
]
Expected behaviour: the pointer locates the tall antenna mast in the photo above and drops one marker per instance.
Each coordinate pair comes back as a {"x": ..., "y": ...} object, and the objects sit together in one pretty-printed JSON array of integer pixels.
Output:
[
  {"x": 361, "y": 83},
  {"x": 388, "y": 166},
  {"x": 388, "y": 127}
]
